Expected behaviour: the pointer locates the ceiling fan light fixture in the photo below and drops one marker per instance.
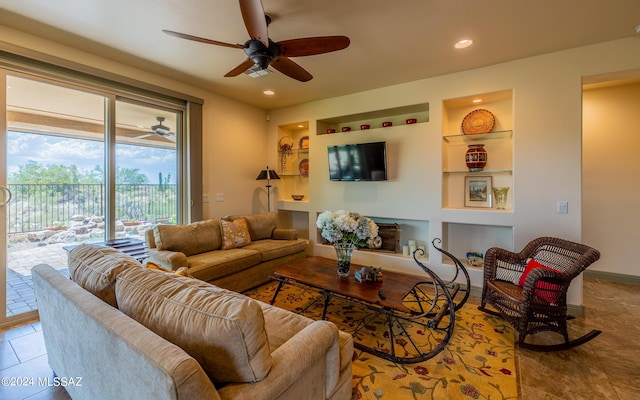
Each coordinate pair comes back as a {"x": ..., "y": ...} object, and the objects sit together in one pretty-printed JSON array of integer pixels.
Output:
[
  {"x": 463, "y": 44},
  {"x": 256, "y": 71}
]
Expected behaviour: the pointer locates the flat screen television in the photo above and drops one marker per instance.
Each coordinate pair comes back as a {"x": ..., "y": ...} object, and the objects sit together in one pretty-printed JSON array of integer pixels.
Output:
[{"x": 358, "y": 162}]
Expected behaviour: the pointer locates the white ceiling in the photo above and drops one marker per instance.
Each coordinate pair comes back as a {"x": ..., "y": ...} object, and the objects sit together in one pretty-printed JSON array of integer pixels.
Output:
[{"x": 391, "y": 41}]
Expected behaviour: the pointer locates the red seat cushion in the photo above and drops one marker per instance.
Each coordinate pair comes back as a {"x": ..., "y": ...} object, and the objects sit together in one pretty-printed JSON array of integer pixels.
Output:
[{"x": 545, "y": 290}]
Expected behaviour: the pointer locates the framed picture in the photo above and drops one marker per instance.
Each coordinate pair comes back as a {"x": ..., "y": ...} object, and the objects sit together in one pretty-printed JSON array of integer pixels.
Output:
[{"x": 477, "y": 191}]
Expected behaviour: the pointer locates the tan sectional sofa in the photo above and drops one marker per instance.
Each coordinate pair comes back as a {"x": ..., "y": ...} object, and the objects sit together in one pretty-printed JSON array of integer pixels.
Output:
[
  {"x": 134, "y": 333},
  {"x": 216, "y": 251}
]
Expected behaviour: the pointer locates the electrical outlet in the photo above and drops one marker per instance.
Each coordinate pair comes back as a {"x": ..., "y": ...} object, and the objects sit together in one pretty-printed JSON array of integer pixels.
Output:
[
  {"x": 563, "y": 207},
  {"x": 205, "y": 198},
  {"x": 219, "y": 196}
]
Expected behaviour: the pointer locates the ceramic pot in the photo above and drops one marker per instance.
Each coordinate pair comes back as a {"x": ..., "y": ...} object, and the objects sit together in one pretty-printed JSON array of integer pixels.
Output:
[{"x": 476, "y": 157}]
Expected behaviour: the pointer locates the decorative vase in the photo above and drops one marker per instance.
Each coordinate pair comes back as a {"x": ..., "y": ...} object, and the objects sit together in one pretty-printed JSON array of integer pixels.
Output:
[
  {"x": 344, "y": 252},
  {"x": 500, "y": 196},
  {"x": 476, "y": 157}
]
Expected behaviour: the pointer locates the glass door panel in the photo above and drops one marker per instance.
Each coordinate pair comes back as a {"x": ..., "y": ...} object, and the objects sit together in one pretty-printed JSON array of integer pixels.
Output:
[
  {"x": 146, "y": 168},
  {"x": 55, "y": 167}
]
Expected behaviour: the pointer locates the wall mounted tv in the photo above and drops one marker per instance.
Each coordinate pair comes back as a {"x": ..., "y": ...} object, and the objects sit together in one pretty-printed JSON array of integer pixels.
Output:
[{"x": 358, "y": 162}]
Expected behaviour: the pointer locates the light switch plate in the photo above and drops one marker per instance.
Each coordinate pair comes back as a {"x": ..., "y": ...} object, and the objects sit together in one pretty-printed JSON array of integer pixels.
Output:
[{"x": 563, "y": 207}]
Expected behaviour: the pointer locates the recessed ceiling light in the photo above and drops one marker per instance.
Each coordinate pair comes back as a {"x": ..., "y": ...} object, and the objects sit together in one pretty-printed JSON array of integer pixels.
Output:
[
  {"x": 464, "y": 43},
  {"x": 269, "y": 92},
  {"x": 477, "y": 101},
  {"x": 300, "y": 126}
]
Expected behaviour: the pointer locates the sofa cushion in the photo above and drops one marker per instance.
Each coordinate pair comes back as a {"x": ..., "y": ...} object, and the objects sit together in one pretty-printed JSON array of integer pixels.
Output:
[
  {"x": 223, "y": 330},
  {"x": 221, "y": 263},
  {"x": 95, "y": 269},
  {"x": 261, "y": 226},
  {"x": 234, "y": 233},
  {"x": 271, "y": 249},
  {"x": 195, "y": 238}
]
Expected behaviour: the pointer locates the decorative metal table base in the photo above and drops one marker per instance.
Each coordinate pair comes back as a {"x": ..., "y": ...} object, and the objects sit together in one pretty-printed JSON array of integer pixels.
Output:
[{"x": 433, "y": 304}]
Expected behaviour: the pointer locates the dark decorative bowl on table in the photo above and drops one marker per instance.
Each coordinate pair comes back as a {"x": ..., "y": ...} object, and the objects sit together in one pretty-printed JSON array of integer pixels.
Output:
[{"x": 297, "y": 197}]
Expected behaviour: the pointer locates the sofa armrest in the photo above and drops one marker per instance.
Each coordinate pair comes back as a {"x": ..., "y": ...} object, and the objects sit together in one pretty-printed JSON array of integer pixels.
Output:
[
  {"x": 170, "y": 260},
  {"x": 284, "y": 234},
  {"x": 291, "y": 361}
]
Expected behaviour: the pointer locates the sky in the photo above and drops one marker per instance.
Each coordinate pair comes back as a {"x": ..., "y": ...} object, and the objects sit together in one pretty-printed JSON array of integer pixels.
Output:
[{"x": 86, "y": 154}]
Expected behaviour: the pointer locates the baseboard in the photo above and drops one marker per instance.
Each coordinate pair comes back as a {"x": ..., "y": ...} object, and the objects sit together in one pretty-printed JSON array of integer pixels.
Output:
[
  {"x": 576, "y": 310},
  {"x": 613, "y": 277}
]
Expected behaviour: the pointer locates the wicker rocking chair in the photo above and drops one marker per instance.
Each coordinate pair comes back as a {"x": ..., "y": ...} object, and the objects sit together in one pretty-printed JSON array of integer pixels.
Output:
[{"x": 529, "y": 288}]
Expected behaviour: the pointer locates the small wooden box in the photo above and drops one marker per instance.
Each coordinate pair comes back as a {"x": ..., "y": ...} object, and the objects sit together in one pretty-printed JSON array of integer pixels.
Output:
[{"x": 390, "y": 235}]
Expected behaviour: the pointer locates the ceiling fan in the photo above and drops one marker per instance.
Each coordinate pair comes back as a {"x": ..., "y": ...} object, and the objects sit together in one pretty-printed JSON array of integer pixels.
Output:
[
  {"x": 263, "y": 52},
  {"x": 160, "y": 130}
]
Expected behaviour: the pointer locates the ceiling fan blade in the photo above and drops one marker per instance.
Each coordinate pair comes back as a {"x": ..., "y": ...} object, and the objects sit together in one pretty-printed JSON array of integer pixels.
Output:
[
  {"x": 144, "y": 136},
  {"x": 254, "y": 19},
  {"x": 313, "y": 45},
  {"x": 202, "y": 40},
  {"x": 291, "y": 69},
  {"x": 240, "y": 68}
]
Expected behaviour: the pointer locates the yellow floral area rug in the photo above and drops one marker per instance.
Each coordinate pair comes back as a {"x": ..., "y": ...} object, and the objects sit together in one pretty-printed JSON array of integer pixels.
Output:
[{"x": 477, "y": 363}]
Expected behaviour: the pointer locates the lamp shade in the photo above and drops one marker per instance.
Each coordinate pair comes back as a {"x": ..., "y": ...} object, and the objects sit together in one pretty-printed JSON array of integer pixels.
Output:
[{"x": 267, "y": 174}]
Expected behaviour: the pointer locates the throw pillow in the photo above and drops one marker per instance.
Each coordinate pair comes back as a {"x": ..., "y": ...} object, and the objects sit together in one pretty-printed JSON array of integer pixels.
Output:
[
  {"x": 223, "y": 330},
  {"x": 545, "y": 290},
  {"x": 182, "y": 271},
  {"x": 234, "y": 233}
]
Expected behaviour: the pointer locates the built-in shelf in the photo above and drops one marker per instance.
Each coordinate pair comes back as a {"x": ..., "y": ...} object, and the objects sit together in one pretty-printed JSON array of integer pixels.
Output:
[
  {"x": 293, "y": 160},
  {"x": 374, "y": 119},
  {"x": 486, "y": 172},
  {"x": 462, "y": 138}
]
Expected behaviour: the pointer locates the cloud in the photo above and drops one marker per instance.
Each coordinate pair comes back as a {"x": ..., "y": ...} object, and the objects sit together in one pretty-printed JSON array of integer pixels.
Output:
[
  {"x": 17, "y": 144},
  {"x": 86, "y": 154},
  {"x": 64, "y": 150}
]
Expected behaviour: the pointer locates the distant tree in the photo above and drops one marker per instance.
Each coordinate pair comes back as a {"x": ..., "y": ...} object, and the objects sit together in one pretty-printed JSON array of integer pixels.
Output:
[
  {"x": 131, "y": 176},
  {"x": 34, "y": 173}
]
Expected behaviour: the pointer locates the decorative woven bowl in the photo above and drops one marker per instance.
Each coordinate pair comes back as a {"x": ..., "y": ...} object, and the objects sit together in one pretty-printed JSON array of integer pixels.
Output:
[{"x": 297, "y": 197}]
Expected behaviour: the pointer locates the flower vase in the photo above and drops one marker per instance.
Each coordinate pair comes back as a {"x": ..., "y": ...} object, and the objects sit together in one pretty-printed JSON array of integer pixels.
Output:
[
  {"x": 343, "y": 253},
  {"x": 500, "y": 196}
]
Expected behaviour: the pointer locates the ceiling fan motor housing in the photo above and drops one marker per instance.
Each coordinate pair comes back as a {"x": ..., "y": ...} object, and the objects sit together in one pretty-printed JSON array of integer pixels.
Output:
[{"x": 261, "y": 55}]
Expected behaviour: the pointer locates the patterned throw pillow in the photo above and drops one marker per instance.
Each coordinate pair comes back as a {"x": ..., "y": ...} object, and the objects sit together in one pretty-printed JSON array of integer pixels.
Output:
[{"x": 234, "y": 233}]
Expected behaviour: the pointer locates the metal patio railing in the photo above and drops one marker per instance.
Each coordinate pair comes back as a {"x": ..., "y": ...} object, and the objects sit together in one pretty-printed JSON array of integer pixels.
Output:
[{"x": 35, "y": 207}]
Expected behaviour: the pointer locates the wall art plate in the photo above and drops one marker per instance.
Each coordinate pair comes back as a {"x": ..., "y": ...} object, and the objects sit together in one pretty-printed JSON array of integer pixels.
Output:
[
  {"x": 304, "y": 142},
  {"x": 478, "y": 121}
]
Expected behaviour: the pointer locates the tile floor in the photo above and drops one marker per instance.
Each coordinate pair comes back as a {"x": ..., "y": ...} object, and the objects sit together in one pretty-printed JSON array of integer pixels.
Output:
[{"x": 608, "y": 367}]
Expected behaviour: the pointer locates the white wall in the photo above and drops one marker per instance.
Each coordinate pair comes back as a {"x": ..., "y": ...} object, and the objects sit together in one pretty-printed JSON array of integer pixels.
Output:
[
  {"x": 233, "y": 132},
  {"x": 611, "y": 179},
  {"x": 547, "y": 102}
]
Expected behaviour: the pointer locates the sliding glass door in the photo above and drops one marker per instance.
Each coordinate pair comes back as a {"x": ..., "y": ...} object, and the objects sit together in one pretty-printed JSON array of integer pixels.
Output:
[
  {"x": 81, "y": 166},
  {"x": 146, "y": 190}
]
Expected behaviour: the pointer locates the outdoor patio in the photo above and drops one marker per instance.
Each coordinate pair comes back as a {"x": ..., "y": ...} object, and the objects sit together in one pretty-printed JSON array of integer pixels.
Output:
[{"x": 20, "y": 295}]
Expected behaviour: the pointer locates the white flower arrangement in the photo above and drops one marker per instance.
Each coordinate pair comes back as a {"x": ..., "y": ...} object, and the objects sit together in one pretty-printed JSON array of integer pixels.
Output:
[{"x": 348, "y": 228}]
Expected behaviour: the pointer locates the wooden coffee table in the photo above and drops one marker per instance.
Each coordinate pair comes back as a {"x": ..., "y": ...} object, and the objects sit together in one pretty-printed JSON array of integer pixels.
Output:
[{"x": 391, "y": 297}]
